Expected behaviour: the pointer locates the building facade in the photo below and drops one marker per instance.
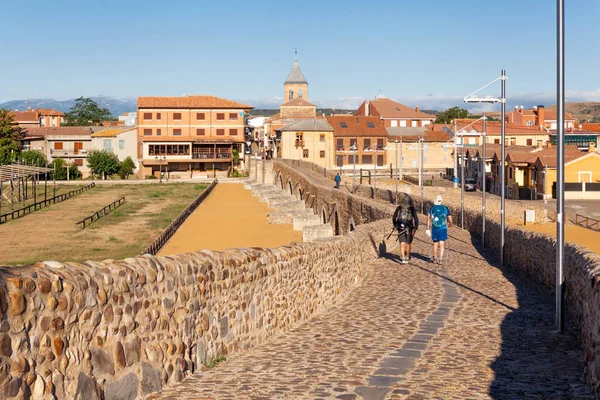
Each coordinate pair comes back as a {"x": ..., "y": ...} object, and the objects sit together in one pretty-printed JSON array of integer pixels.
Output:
[
  {"x": 538, "y": 116},
  {"x": 394, "y": 114},
  {"x": 308, "y": 140},
  {"x": 189, "y": 134}
]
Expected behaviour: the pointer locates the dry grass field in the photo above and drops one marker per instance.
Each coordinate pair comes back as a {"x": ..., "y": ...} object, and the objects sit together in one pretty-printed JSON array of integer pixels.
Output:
[{"x": 51, "y": 233}]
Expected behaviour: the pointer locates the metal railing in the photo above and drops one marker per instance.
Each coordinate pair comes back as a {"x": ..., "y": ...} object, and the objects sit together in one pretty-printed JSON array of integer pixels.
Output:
[
  {"x": 165, "y": 235},
  {"x": 21, "y": 212},
  {"x": 201, "y": 156},
  {"x": 72, "y": 153},
  {"x": 101, "y": 213},
  {"x": 587, "y": 222}
]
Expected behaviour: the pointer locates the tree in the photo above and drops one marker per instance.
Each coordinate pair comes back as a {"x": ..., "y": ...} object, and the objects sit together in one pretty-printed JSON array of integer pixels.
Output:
[
  {"x": 86, "y": 112},
  {"x": 446, "y": 117},
  {"x": 127, "y": 168},
  {"x": 33, "y": 157},
  {"x": 103, "y": 163},
  {"x": 236, "y": 156},
  {"x": 60, "y": 170},
  {"x": 10, "y": 134}
]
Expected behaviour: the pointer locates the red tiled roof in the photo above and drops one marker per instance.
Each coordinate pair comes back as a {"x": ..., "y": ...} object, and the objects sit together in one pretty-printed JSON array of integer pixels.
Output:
[
  {"x": 59, "y": 131},
  {"x": 298, "y": 103},
  {"x": 50, "y": 112},
  {"x": 356, "y": 126},
  {"x": 388, "y": 108},
  {"x": 495, "y": 128},
  {"x": 25, "y": 116},
  {"x": 189, "y": 102},
  {"x": 591, "y": 127}
]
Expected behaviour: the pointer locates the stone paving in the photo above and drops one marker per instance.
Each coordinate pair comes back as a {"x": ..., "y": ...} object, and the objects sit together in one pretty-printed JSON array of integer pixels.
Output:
[{"x": 462, "y": 330}]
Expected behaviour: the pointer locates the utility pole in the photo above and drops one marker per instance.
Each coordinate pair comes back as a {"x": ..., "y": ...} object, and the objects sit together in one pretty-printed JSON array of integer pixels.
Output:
[
  {"x": 397, "y": 177},
  {"x": 560, "y": 157},
  {"x": 483, "y": 177},
  {"x": 503, "y": 171},
  {"x": 455, "y": 178},
  {"x": 422, "y": 147}
]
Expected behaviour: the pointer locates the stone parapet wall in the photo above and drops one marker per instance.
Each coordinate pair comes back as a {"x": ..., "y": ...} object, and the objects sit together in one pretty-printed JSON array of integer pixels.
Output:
[{"x": 122, "y": 329}]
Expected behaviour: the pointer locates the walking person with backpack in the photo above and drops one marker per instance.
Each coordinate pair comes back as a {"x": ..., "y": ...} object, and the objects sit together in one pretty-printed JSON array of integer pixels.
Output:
[
  {"x": 406, "y": 221},
  {"x": 438, "y": 222}
]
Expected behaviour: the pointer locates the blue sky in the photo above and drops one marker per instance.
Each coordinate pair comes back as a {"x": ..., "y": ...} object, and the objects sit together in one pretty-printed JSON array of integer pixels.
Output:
[{"x": 427, "y": 52}]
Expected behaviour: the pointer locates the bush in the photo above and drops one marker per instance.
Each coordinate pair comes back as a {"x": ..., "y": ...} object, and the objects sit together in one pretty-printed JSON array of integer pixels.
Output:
[
  {"x": 103, "y": 163},
  {"x": 151, "y": 177},
  {"x": 127, "y": 167},
  {"x": 60, "y": 170},
  {"x": 33, "y": 157}
]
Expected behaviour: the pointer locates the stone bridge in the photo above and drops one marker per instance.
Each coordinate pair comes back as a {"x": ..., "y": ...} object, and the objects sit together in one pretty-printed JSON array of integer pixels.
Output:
[{"x": 337, "y": 318}]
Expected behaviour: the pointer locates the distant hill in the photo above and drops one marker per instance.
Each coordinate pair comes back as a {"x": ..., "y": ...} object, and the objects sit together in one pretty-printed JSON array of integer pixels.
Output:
[
  {"x": 583, "y": 112},
  {"x": 116, "y": 106}
]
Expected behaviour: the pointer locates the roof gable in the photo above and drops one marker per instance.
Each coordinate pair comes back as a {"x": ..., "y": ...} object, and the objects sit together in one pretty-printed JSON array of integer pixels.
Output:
[
  {"x": 351, "y": 126},
  {"x": 296, "y": 76},
  {"x": 388, "y": 108}
]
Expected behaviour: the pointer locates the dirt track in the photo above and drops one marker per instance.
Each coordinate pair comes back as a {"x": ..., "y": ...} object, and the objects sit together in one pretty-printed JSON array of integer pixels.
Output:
[
  {"x": 229, "y": 217},
  {"x": 573, "y": 233}
]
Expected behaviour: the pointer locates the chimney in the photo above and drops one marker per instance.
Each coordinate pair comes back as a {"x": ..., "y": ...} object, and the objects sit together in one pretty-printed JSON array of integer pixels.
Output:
[
  {"x": 367, "y": 108},
  {"x": 521, "y": 110},
  {"x": 548, "y": 145},
  {"x": 417, "y": 108},
  {"x": 539, "y": 121}
]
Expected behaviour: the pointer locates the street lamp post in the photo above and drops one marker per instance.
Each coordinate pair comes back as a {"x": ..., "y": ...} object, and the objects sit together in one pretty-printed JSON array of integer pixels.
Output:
[
  {"x": 354, "y": 148},
  {"x": 502, "y": 100},
  {"x": 560, "y": 157},
  {"x": 397, "y": 177},
  {"x": 422, "y": 148},
  {"x": 462, "y": 184},
  {"x": 483, "y": 177},
  {"x": 160, "y": 160}
]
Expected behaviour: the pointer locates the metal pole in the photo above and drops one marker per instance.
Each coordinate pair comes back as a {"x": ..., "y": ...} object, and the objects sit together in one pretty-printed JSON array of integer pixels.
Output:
[
  {"x": 455, "y": 169},
  {"x": 401, "y": 159},
  {"x": 421, "y": 173},
  {"x": 375, "y": 173},
  {"x": 462, "y": 183},
  {"x": 560, "y": 157},
  {"x": 354, "y": 169},
  {"x": 159, "y": 170},
  {"x": 503, "y": 160},
  {"x": 397, "y": 177},
  {"x": 483, "y": 178}
]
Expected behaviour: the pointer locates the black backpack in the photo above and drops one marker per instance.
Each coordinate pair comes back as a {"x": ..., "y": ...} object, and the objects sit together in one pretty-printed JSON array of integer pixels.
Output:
[{"x": 404, "y": 218}]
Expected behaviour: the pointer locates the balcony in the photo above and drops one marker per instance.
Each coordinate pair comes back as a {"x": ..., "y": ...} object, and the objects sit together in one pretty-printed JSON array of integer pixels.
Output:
[
  {"x": 212, "y": 156},
  {"x": 68, "y": 153},
  {"x": 299, "y": 143}
]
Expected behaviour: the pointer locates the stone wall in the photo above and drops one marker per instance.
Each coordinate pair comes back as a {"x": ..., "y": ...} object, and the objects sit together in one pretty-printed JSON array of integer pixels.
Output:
[
  {"x": 529, "y": 253},
  {"x": 122, "y": 329}
]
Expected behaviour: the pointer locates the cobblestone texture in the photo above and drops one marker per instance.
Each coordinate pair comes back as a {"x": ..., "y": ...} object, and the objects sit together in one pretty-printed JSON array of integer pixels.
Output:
[{"x": 465, "y": 329}]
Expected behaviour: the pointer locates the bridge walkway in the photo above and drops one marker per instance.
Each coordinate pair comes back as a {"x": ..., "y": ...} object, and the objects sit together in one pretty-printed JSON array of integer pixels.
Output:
[{"x": 464, "y": 329}]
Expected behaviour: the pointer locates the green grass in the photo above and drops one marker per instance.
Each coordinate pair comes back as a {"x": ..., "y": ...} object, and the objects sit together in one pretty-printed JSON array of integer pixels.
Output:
[{"x": 215, "y": 361}]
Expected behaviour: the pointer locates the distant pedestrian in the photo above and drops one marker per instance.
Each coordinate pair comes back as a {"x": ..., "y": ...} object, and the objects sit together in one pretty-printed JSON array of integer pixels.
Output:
[
  {"x": 438, "y": 222},
  {"x": 338, "y": 179},
  {"x": 406, "y": 222}
]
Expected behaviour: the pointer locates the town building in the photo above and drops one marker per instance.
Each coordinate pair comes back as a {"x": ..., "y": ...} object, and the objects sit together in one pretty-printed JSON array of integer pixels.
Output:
[
  {"x": 394, "y": 114},
  {"x": 40, "y": 117},
  {"x": 128, "y": 118},
  {"x": 581, "y": 169},
  {"x": 121, "y": 141},
  {"x": 437, "y": 149},
  {"x": 295, "y": 107},
  {"x": 189, "y": 134},
  {"x": 309, "y": 139},
  {"x": 538, "y": 116},
  {"x": 359, "y": 141}
]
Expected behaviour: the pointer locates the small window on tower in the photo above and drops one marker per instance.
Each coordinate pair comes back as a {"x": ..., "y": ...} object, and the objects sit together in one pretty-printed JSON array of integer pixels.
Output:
[
  {"x": 300, "y": 93},
  {"x": 291, "y": 95}
]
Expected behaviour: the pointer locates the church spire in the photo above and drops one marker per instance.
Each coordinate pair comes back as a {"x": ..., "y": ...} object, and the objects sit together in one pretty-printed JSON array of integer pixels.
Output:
[{"x": 295, "y": 75}]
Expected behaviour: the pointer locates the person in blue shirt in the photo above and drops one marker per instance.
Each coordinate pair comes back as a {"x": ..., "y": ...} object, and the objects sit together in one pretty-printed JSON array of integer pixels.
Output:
[
  {"x": 438, "y": 222},
  {"x": 338, "y": 178}
]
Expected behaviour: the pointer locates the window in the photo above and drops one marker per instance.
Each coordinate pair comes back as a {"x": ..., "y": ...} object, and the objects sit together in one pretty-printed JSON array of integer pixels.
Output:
[
  {"x": 353, "y": 142},
  {"x": 305, "y": 153},
  {"x": 367, "y": 159},
  {"x": 529, "y": 142},
  {"x": 147, "y": 132},
  {"x": 158, "y": 116},
  {"x": 371, "y": 124},
  {"x": 380, "y": 160},
  {"x": 220, "y": 116},
  {"x": 413, "y": 123},
  {"x": 147, "y": 116},
  {"x": 298, "y": 136},
  {"x": 291, "y": 95},
  {"x": 121, "y": 144},
  {"x": 322, "y": 154},
  {"x": 176, "y": 132},
  {"x": 176, "y": 116},
  {"x": 107, "y": 145},
  {"x": 321, "y": 138},
  {"x": 352, "y": 159},
  {"x": 78, "y": 146},
  {"x": 300, "y": 93},
  {"x": 343, "y": 124},
  {"x": 510, "y": 172},
  {"x": 232, "y": 132},
  {"x": 232, "y": 116},
  {"x": 379, "y": 143},
  {"x": 78, "y": 162},
  {"x": 366, "y": 143},
  {"x": 200, "y": 132},
  {"x": 513, "y": 141},
  {"x": 158, "y": 132},
  {"x": 340, "y": 144},
  {"x": 169, "y": 149},
  {"x": 200, "y": 116},
  {"x": 220, "y": 132},
  {"x": 529, "y": 123},
  {"x": 496, "y": 141}
]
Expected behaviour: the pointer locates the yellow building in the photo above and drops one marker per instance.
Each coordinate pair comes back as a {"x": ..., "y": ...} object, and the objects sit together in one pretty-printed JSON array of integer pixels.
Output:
[
  {"x": 580, "y": 167},
  {"x": 308, "y": 139},
  {"x": 437, "y": 148}
]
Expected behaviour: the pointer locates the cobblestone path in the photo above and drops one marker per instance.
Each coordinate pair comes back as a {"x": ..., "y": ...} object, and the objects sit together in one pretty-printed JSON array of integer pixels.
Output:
[{"x": 464, "y": 329}]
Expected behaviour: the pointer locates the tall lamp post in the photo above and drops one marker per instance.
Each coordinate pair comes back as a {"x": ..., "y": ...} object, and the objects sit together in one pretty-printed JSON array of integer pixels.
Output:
[
  {"x": 560, "y": 157},
  {"x": 354, "y": 148},
  {"x": 471, "y": 98},
  {"x": 483, "y": 176},
  {"x": 160, "y": 159}
]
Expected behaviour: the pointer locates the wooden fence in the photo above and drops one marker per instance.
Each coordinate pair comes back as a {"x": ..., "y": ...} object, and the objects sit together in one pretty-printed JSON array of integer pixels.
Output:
[
  {"x": 21, "y": 212},
  {"x": 101, "y": 213},
  {"x": 587, "y": 222},
  {"x": 165, "y": 235}
]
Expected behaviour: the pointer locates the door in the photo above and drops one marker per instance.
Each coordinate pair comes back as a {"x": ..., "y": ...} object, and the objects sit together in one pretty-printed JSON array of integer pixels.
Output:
[
  {"x": 585, "y": 176},
  {"x": 78, "y": 146}
]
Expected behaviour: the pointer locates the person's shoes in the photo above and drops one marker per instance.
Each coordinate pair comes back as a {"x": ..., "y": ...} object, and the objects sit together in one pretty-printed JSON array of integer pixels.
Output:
[
  {"x": 408, "y": 259},
  {"x": 434, "y": 260},
  {"x": 439, "y": 261},
  {"x": 403, "y": 260}
]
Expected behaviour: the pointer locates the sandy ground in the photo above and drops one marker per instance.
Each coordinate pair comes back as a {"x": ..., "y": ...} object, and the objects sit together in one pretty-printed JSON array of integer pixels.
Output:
[
  {"x": 229, "y": 217},
  {"x": 576, "y": 234}
]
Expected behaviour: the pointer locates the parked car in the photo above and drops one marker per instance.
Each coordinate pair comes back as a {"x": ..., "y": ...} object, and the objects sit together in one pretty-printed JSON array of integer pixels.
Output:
[{"x": 470, "y": 185}]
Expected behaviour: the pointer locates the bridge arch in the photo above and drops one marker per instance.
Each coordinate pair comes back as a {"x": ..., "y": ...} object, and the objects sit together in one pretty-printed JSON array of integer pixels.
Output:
[
  {"x": 351, "y": 224},
  {"x": 290, "y": 187}
]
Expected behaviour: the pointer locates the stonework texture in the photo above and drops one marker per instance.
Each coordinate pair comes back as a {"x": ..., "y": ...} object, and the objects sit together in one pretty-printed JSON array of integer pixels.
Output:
[{"x": 121, "y": 329}]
